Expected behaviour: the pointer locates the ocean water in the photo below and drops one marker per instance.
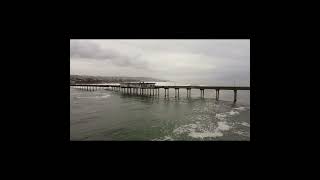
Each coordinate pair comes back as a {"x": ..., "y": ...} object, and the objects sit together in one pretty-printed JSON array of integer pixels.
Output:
[{"x": 106, "y": 115}]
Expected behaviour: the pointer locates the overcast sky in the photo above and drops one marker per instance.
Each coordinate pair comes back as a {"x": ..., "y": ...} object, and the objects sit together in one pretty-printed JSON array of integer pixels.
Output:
[{"x": 203, "y": 61}]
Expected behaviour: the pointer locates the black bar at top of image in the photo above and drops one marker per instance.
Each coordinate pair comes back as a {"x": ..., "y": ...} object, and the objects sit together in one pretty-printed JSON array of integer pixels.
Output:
[{"x": 162, "y": 35}]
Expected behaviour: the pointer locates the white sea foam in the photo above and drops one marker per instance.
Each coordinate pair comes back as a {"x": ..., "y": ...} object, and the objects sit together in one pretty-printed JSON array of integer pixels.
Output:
[
  {"x": 88, "y": 97},
  {"x": 202, "y": 131},
  {"x": 240, "y": 108},
  {"x": 185, "y": 128},
  {"x": 245, "y": 124},
  {"x": 166, "y": 138},
  {"x": 231, "y": 113},
  {"x": 221, "y": 116},
  {"x": 105, "y": 96},
  {"x": 205, "y": 134},
  {"x": 223, "y": 126},
  {"x": 242, "y": 133}
]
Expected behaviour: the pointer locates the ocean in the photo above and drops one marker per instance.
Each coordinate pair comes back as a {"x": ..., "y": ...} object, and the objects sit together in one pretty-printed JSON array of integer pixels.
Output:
[{"x": 106, "y": 115}]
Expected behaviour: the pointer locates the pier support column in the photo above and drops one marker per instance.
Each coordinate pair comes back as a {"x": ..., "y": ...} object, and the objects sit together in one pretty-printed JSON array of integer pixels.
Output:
[
  {"x": 202, "y": 93},
  {"x": 217, "y": 94},
  {"x": 175, "y": 92},
  {"x": 152, "y": 92},
  {"x": 235, "y": 95},
  {"x": 166, "y": 92},
  {"x": 87, "y": 88},
  {"x": 188, "y": 92}
]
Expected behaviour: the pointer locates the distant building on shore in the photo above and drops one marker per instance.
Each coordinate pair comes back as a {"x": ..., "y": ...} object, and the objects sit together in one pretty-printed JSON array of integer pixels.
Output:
[{"x": 138, "y": 84}]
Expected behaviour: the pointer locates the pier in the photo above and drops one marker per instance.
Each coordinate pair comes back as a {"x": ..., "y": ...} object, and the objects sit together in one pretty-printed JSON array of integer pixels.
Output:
[{"x": 150, "y": 89}]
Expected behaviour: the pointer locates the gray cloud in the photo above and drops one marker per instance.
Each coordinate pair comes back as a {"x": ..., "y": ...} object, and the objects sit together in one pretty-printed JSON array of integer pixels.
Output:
[
  {"x": 90, "y": 50},
  {"x": 203, "y": 61}
]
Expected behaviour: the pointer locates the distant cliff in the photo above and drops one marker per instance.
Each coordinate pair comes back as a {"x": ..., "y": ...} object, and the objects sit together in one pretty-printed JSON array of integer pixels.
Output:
[{"x": 78, "y": 79}]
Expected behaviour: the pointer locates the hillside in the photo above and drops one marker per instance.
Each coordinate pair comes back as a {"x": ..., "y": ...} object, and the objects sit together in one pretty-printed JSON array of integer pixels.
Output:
[{"x": 78, "y": 79}]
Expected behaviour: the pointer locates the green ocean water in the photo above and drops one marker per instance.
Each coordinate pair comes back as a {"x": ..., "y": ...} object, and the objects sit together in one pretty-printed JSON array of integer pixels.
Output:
[{"x": 105, "y": 115}]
